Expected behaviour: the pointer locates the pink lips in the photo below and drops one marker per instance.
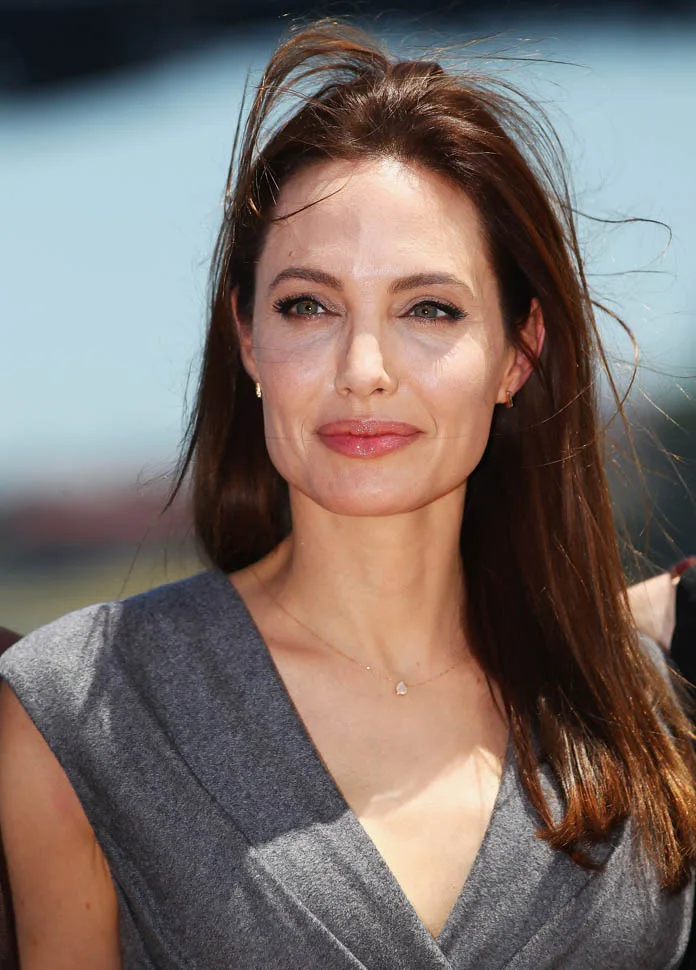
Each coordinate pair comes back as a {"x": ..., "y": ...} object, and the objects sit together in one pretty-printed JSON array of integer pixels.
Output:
[{"x": 367, "y": 437}]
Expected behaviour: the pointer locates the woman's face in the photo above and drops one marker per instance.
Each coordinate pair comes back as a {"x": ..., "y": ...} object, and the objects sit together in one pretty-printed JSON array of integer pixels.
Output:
[{"x": 377, "y": 337}]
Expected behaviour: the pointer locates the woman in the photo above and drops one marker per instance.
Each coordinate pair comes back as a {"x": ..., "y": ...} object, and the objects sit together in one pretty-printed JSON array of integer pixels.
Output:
[{"x": 405, "y": 719}]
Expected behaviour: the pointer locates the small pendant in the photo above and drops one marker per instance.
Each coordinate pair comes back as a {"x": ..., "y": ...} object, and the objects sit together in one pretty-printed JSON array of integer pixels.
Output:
[{"x": 401, "y": 688}]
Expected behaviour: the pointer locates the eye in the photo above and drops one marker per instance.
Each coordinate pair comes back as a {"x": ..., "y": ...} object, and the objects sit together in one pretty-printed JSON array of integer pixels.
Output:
[
  {"x": 436, "y": 310},
  {"x": 299, "y": 306}
]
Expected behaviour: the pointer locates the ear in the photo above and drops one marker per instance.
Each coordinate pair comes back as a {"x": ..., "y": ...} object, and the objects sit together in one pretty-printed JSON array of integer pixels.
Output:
[
  {"x": 245, "y": 337},
  {"x": 532, "y": 335}
]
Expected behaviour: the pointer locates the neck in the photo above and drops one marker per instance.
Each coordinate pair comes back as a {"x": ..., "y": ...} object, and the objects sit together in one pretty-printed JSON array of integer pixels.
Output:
[{"x": 387, "y": 591}]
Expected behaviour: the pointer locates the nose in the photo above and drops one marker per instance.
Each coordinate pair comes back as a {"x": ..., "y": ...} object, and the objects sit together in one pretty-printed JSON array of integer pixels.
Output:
[{"x": 362, "y": 368}]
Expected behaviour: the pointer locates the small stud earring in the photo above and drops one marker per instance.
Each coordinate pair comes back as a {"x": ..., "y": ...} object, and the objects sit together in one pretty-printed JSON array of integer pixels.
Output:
[
  {"x": 509, "y": 403},
  {"x": 258, "y": 389}
]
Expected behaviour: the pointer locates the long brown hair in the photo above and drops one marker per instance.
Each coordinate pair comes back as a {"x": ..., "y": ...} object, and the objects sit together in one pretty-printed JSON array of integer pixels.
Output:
[{"x": 546, "y": 596}]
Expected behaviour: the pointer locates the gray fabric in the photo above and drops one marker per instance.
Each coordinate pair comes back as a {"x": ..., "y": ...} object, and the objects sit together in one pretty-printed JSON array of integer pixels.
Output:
[{"x": 232, "y": 847}]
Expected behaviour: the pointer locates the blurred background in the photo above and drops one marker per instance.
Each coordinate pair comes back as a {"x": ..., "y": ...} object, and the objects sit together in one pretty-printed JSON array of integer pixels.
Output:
[{"x": 116, "y": 124}]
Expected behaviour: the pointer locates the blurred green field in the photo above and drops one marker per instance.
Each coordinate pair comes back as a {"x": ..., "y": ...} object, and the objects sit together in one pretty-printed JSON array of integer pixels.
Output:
[{"x": 28, "y": 600}]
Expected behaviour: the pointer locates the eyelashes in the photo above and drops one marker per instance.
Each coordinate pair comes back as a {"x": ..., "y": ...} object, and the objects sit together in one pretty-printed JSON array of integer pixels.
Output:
[
  {"x": 444, "y": 311},
  {"x": 449, "y": 310},
  {"x": 284, "y": 306}
]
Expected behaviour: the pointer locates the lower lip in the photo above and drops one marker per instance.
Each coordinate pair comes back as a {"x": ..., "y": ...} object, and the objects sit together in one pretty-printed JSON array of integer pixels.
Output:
[{"x": 367, "y": 446}]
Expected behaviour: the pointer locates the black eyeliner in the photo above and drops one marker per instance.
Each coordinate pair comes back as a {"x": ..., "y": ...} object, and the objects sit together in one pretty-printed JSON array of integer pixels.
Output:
[
  {"x": 286, "y": 303},
  {"x": 449, "y": 308}
]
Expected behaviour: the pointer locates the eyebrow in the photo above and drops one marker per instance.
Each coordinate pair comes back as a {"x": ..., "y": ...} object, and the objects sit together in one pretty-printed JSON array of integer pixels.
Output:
[
  {"x": 398, "y": 286},
  {"x": 425, "y": 279},
  {"x": 306, "y": 273}
]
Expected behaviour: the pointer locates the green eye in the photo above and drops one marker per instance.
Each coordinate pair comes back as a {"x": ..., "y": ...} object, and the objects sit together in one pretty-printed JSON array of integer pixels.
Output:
[
  {"x": 307, "y": 308},
  {"x": 299, "y": 306},
  {"x": 427, "y": 310},
  {"x": 434, "y": 310}
]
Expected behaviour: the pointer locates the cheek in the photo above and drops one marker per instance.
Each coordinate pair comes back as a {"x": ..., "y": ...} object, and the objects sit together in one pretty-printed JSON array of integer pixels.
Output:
[
  {"x": 294, "y": 375},
  {"x": 291, "y": 365},
  {"x": 465, "y": 382},
  {"x": 461, "y": 395}
]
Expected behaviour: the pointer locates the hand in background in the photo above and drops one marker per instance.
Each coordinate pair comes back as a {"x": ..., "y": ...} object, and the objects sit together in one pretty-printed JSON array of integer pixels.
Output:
[
  {"x": 654, "y": 607},
  {"x": 664, "y": 608}
]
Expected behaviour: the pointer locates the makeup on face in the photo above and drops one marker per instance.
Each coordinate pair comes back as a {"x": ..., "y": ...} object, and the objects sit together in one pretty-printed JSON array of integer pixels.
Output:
[
  {"x": 377, "y": 336},
  {"x": 367, "y": 438}
]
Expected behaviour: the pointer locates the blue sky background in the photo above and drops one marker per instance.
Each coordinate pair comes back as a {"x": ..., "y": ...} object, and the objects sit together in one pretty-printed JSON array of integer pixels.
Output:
[{"x": 110, "y": 202}]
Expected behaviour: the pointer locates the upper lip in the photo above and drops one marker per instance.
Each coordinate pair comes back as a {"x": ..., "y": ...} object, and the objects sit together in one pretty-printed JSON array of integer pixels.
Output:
[{"x": 367, "y": 427}]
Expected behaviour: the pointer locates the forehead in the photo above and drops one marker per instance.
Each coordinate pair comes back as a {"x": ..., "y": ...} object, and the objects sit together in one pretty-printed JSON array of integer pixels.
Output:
[{"x": 373, "y": 218}]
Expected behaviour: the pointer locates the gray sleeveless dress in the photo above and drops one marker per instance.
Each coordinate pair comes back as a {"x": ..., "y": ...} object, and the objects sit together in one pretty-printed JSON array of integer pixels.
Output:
[{"x": 230, "y": 844}]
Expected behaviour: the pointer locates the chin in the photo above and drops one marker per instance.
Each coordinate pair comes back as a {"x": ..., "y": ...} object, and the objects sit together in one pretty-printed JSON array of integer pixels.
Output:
[
  {"x": 365, "y": 490},
  {"x": 361, "y": 507},
  {"x": 361, "y": 500}
]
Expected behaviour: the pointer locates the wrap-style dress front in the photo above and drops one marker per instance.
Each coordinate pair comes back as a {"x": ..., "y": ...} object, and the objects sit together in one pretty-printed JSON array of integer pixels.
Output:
[{"x": 231, "y": 846}]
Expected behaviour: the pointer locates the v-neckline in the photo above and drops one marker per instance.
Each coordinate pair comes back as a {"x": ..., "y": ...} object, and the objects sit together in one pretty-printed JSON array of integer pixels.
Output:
[{"x": 331, "y": 790}]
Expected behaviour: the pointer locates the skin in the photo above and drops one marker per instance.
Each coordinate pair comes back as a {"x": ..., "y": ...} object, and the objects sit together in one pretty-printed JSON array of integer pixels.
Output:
[
  {"x": 64, "y": 900},
  {"x": 372, "y": 566},
  {"x": 365, "y": 352},
  {"x": 654, "y": 607},
  {"x": 368, "y": 353}
]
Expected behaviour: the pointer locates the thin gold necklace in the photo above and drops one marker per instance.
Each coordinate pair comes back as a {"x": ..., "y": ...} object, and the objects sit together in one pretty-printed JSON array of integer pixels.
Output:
[{"x": 401, "y": 688}]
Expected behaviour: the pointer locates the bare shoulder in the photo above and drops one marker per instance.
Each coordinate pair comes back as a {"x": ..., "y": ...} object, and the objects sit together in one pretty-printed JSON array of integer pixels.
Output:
[{"x": 63, "y": 895}]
